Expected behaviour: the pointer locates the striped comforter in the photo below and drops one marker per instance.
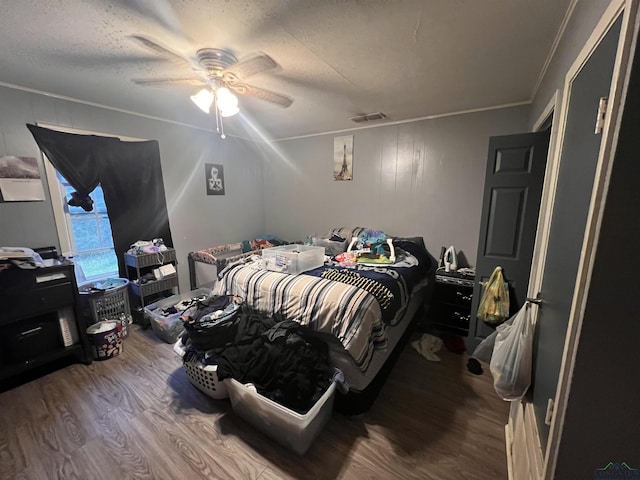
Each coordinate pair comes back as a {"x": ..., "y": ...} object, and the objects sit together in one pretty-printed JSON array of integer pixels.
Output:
[{"x": 349, "y": 313}]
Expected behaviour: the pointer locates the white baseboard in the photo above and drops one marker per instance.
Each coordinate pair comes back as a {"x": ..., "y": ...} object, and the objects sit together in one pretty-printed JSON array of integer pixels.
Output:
[
  {"x": 508, "y": 438},
  {"x": 536, "y": 459},
  {"x": 524, "y": 454}
]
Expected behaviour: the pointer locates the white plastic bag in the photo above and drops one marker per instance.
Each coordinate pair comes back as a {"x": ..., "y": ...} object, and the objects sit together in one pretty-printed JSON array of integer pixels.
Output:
[
  {"x": 484, "y": 350},
  {"x": 512, "y": 357}
]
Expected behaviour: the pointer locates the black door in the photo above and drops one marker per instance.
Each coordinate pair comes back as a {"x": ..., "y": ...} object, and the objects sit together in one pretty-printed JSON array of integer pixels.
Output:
[{"x": 512, "y": 193}]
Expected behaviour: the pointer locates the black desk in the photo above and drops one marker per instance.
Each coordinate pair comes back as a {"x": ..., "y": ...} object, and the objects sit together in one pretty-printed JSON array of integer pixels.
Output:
[{"x": 39, "y": 318}]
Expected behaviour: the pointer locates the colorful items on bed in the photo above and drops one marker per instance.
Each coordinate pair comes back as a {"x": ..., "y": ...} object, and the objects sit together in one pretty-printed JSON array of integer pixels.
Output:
[
  {"x": 346, "y": 259},
  {"x": 370, "y": 247},
  {"x": 351, "y": 245}
]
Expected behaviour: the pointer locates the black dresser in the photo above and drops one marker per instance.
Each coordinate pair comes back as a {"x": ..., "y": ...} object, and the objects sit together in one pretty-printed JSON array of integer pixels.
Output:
[
  {"x": 451, "y": 303},
  {"x": 39, "y": 318}
]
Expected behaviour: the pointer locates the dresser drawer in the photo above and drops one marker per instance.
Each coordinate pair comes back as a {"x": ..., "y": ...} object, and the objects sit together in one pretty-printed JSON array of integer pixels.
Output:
[
  {"x": 451, "y": 316},
  {"x": 454, "y": 295},
  {"x": 30, "y": 338},
  {"x": 37, "y": 300}
]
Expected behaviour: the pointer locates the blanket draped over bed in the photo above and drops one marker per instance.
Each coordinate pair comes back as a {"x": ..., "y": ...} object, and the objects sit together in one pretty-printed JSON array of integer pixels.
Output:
[{"x": 351, "y": 314}]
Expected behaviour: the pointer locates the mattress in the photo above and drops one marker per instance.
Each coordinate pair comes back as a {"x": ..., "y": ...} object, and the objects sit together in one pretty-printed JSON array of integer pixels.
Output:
[
  {"x": 358, "y": 379},
  {"x": 345, "y": 312}
]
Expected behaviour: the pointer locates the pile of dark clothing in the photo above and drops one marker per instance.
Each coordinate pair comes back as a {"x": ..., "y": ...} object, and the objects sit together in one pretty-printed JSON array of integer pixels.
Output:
[{"x": 281, "y": 358}]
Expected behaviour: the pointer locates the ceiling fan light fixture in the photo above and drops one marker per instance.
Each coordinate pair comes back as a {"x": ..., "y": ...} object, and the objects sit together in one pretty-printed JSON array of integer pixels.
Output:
[
  {"x": 216, "y": 68},
  {"x": 229, "y": 112},
  {"x": 226, "y": 100},
  {"x": 203, "y": 99}
]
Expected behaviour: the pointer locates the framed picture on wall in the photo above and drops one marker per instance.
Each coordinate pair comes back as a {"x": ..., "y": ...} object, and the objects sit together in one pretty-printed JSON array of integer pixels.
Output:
[
  {"x": 214, "y": 175},
  {"x": 343, "y": 158},
  {"x": 20, "y": 179}
]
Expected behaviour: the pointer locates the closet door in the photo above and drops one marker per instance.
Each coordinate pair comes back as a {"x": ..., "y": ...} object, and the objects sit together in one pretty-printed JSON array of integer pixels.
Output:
[
  {"x": 512, "y": 193},
  {"x": 577, "y": 172}
]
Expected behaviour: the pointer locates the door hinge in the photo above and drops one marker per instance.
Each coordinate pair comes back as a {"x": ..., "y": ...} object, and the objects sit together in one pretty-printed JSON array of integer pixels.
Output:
[
  {"x": 602, "y": 113},
  {"x": 549, "y": 414}
]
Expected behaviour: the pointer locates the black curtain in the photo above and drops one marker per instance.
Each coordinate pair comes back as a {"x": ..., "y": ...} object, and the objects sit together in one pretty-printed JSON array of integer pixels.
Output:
[{"x": 131, "y": 177}]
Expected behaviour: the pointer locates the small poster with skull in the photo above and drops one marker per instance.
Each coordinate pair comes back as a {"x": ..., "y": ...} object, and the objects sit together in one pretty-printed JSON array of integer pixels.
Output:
[{"x": 214, "y": 174}]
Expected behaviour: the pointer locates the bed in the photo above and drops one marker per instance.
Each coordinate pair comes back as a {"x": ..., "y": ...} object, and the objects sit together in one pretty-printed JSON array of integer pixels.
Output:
[{"x": 365, "y": 313}]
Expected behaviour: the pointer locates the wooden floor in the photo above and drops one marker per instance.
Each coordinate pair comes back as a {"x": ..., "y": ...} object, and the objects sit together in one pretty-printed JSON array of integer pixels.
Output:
[{"x": 137, "y": 416}]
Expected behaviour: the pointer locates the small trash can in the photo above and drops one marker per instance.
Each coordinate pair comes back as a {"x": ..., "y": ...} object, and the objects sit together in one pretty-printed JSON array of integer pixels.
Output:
[{"x": 105, "y": 338}]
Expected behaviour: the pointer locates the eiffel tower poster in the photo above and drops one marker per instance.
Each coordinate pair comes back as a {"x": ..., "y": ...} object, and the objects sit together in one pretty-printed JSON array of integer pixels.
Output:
[{"x": 343, "y": 158}]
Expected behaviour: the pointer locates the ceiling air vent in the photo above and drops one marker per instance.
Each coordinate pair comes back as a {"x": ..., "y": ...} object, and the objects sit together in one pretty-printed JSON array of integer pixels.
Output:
[{"x": 368, "y": 117}]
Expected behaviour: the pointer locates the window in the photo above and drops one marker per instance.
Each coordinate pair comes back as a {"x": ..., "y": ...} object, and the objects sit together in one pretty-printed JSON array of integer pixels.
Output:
[
  {"x": 90, "y": 235},
  {"x": 85, "y": 236}
]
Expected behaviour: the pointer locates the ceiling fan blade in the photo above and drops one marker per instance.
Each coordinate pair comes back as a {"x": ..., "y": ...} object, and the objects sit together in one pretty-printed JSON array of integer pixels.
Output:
[
  {"x": 251, "y": 66},
  {"x": 262, "y": 94},
  {"x": 151, "y": 82},
  {"x": 156, "y": 47}
]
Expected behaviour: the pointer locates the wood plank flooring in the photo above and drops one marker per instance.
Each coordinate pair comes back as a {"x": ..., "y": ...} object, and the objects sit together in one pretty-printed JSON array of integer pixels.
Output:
[{"x": 137, "y": 416}]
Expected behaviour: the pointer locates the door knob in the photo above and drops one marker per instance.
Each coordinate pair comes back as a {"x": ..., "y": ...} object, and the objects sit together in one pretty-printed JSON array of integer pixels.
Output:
[{"x": 537, "y": 300}]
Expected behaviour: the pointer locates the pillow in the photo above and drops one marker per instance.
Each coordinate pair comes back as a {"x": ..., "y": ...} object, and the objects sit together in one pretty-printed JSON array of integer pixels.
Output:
[{"x": 346, "y": 232}]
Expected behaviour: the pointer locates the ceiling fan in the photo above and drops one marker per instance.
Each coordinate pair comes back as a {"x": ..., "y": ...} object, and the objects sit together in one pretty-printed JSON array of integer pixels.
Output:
[{"x": 219, "y": 73}]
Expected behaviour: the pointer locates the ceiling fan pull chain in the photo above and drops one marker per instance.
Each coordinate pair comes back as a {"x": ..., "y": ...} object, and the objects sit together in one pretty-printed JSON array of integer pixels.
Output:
[
  {"x": 222, "y": 135},
  {"x": 218, "y": 120}
]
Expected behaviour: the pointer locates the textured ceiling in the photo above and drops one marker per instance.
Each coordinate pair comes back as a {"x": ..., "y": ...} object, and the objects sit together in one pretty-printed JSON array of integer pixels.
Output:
[{"x": 337, "y": 58}]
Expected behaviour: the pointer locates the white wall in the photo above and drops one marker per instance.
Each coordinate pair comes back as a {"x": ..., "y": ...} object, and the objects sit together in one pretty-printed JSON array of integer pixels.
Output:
[
  {"x": 196, "y": 220},
  {"x": 420, "y": 178}
]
